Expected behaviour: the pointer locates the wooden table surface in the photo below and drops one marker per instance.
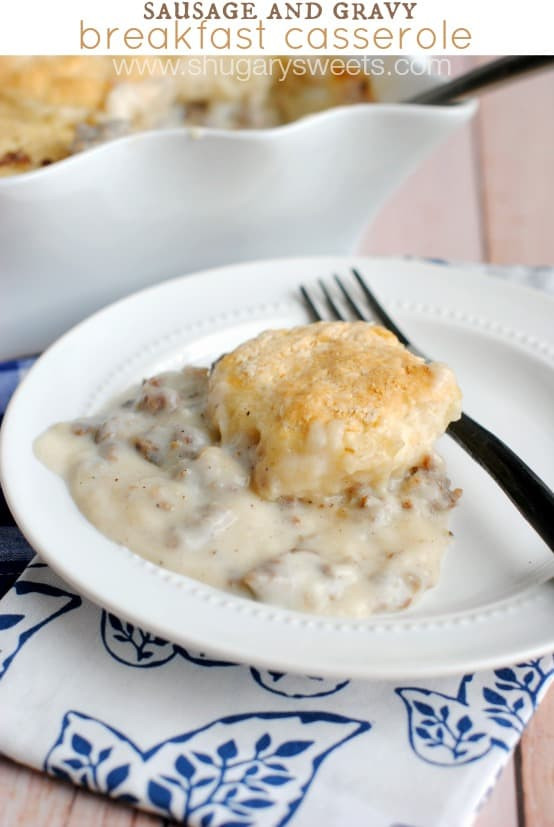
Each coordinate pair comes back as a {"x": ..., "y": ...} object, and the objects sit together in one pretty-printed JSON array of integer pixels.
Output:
[{"x": 485, "y": 196}]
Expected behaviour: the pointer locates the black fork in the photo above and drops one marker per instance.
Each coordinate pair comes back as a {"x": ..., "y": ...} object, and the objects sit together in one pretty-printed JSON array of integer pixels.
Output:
[{"x": 533, "y": 499}]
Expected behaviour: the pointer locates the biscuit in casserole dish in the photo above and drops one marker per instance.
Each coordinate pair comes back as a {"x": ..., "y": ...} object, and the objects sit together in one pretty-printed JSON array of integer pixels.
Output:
[{"x": 52, "y": 107}]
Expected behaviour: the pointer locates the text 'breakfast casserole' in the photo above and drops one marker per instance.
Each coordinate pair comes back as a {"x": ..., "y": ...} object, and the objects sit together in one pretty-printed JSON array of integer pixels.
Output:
[{"x": 300, "y": 470}]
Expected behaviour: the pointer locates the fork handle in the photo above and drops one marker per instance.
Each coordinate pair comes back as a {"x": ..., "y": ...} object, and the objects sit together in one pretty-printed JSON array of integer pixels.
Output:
[
  {"x": 528, "y": 493},
  {"x": 502, "y": 70}
]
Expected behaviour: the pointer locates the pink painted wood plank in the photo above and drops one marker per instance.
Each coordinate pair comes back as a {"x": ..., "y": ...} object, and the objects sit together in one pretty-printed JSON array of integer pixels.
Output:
[
  {"x": 90, "y": 810},
  {"x": 516, "y": 126},
  {"x": 501, "y": 808},
  {"x": 30, "y": 799},
  {"x": 516, "y": 140},
  {"x": 538, "y": 766},
  {"x": 437, "y": 211}
]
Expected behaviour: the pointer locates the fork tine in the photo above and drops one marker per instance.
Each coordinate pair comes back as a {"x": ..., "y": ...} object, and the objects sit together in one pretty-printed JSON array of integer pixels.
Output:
[
  {"x": 331, "y": 303},
  {"x": 380, "y": 311},
  {"x": 314, "y": 312},
  {"x": 350, "y": 301}
]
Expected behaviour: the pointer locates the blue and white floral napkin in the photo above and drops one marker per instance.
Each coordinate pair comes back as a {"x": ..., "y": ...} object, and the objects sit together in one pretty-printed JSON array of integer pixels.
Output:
[
  {"x": 103, "y": 704},
  {"x": 98, "y": 702}
]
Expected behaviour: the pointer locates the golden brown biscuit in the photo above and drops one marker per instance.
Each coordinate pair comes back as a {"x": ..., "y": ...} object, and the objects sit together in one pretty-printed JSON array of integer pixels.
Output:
[
  {"x": 330, "y": 405},
  {"x": 42, "y": 99},
  {"x": 301, "y": 95},
  {"x": 32, "y": 134},
  {"x": 74, "y": 81}
]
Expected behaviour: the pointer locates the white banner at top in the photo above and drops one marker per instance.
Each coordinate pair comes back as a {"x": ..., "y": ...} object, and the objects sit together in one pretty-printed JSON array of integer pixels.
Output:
[{"x": 255, "y": 27}]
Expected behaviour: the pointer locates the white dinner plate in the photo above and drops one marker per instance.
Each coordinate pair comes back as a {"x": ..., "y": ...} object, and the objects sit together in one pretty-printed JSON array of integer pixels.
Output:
[{"x": 495, "y": 600}]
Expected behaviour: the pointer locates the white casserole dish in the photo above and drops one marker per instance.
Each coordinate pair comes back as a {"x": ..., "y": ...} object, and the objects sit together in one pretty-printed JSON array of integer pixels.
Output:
[{"x": 86, "y": 230}]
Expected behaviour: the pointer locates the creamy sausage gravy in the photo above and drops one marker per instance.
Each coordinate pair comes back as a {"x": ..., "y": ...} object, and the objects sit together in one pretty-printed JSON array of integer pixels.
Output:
[{"x": 151, "y": 474}]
